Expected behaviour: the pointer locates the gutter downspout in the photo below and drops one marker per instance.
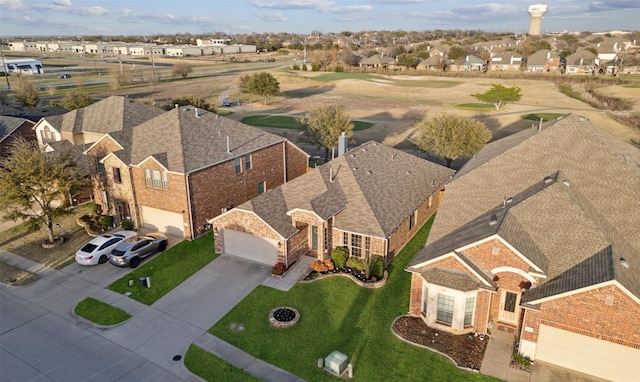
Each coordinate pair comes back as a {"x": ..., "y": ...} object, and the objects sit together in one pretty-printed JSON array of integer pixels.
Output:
[
  {"x": 284, "y": 161},
  {"x": 189, "y": 206},
  {"x": 134, "y": 205}
]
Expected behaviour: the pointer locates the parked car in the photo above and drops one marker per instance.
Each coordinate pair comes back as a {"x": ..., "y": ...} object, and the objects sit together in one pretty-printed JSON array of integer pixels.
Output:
[
  {"x": 98, "y": 249},
  {"x": 130, "y": 252},
  {"x": 65, "y": 75},
  {"x": 225, "y": 102}
]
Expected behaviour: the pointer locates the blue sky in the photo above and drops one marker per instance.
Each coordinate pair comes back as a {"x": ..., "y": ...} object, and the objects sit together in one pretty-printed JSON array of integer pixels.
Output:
[{"x": 145, "y": 17}]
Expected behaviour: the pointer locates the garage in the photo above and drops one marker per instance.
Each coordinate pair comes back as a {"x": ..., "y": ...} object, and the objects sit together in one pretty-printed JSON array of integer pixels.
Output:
[
  {"x": 588, "y": 355},
  {"x": 249, "y": 247},
  {"x": 163, "y": 221}
]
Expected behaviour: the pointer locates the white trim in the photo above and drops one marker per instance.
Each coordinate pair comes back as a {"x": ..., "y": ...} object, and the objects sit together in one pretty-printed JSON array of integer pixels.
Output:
[
  {"x": 359, "y": 233},
  {"x": 111, "y": 154},
  {"x": 585, "y": 289},
  {"x": 455, "y": 256},
  {"x": 290, "y": 212},
  {"x": 150, "y": 157},
  {"x": 239, "y": 210},
  {"x": 514, "y": 270}
]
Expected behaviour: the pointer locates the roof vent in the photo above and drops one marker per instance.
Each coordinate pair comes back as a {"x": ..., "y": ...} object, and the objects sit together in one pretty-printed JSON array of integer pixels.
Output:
[
  {"x": 566, "y": 183},
  {"x": 624, "y": 262},
  {"x": 369, "y": 172},
  {"x": 548, "y": 179},
  {"x": 408, "y": 172},
  {"x": 494, "y": 220},
  {"x": 353, "y": 155}
]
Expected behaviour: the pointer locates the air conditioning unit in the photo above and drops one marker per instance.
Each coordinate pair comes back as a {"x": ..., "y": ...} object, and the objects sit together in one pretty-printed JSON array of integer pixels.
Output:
[{"x": 336, "y": 363}]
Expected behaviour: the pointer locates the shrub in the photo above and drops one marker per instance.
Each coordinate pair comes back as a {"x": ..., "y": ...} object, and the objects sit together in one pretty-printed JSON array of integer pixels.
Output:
[
  {"x": 377, "y": 269},
  {"x": 104, "y": 221},
  {"x": 521, "y": 359},
  {"x": 319, "y": 266},
  {"x": 304, "y": 67},
  {"x": 355, "y": 263},
  {"x": 339, "y": 255},
  {"x": 126, "y": 224},
  {"x": 339, "y": 69},
  {"x": 315, "y": 67},
  {"x": 295, "y": 67},
  {"x": 278, "y": 269},
  {"x": 329, "y": 264}
]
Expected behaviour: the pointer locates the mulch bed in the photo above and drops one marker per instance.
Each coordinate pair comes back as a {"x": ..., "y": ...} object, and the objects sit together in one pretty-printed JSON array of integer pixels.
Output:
[{"x": 466, "y": 350}]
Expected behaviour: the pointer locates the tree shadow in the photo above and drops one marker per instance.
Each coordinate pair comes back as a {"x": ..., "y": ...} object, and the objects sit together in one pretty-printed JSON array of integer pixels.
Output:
[{"x": 307, "y": 92}]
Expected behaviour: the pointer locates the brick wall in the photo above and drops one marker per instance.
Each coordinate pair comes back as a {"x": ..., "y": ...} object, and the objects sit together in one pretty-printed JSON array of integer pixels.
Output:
[
  {"x": 99, "y": 181},
  {"x": 489, "y": 258},
  {"x": 246, "y": 222},
  {"x": 415, "y": 299},
  {"x": 297, "y": 161},
  {"x": 119, "y": 191},
  {"x": 606, "y": 312},
  {"x": 531, "y": 320},
  {"x": 403, "y": 234},
  {"x": 173, "y": 200},
  {"x": 481, "y": 314},
  {"x": 219, "y": 187}
]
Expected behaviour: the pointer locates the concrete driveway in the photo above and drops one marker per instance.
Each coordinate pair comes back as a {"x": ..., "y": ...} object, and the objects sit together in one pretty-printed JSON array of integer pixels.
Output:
[{"x": 41, "y": 340}]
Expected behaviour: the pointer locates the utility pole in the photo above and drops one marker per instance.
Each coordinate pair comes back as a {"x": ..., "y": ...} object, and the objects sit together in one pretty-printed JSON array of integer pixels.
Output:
[{"x": 4, "y": 68}]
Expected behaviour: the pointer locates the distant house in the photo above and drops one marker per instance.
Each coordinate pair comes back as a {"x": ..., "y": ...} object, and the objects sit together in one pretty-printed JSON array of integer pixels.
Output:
[
  {"x": 12, "y": 128},
  {"x": 435, "y": 62},
  {"x": 539, "y": 236},
  {"x": 371, "y": 200},
  {"x": 582, "y": 62},
  {"x": 506, "y": 61},
  {"x": 377, "y": 61},
  {"x": 470, "y": 64},
  {"x": 543, "y": 61}
]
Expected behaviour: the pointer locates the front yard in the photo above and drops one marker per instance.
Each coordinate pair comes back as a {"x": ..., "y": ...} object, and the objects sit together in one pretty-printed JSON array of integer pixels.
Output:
[{"x": 336, "y": 314}]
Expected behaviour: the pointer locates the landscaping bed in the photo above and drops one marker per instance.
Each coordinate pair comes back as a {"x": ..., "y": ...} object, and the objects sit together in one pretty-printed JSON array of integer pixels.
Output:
[{"x": 467, "y": 351}]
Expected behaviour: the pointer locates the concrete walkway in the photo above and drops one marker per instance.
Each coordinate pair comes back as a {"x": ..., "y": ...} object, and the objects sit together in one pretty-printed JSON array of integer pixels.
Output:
[
  {"x": 159, "y": 332},
  {"x": 497, "y": 358}
]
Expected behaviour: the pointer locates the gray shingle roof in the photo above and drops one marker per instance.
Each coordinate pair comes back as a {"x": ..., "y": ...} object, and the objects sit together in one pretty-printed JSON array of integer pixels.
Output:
[
  {"x": 450, "y": 278},
  {"x": 590, "y": 205},
  {"x": 375, "y": 188},
  {"x": 109, "y": 115},
  {"x": 540, "y": 57},
  {"x": 184, "y": 142},
  {"x": 9, "y": 124}
]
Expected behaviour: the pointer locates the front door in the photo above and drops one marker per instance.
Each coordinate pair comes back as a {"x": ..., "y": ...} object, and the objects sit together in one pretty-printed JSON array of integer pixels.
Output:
[{"x": 509, "y": 307}]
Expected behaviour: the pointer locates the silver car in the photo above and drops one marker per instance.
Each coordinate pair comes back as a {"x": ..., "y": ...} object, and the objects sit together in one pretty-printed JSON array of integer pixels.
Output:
[{"x": 130, "y": 252}]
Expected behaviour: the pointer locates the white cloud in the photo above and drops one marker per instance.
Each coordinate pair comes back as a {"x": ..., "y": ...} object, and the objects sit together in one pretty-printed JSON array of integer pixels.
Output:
[
  {"x": 294, "y": 4},
  {"x": 64, "y": 3},
  {"x": 11, "y": 5}
]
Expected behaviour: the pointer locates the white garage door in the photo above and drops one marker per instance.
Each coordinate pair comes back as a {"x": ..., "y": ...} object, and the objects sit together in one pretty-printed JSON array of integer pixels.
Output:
[
  {"x": 163, "y": 221},
  {"x": 250, "y": 247},
  {"x": 587, "y": 355}
]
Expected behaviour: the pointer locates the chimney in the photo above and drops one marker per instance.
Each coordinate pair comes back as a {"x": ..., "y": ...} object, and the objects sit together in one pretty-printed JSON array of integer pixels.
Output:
[{"x": 342, "y": 144}]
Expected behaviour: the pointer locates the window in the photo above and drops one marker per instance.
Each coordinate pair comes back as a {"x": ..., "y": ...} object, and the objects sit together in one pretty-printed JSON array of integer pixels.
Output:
[
  {"x": 147, "y": 177},
  {"x": 425, "y": 298},
  {"x": 345, "y": 240},
  {"x": 165, "y": 181},
  {"x": 412, "y": 220},
  {"x": 238, "y": 165},
  {"x": 314, "y": 238},
  {"x": 356, "y": 245},
  {"x": 116, "y": 174},
  {"x": 469, "y": 307},
  {"x": 247, "y": 162},
  {"x": 47, "y": 135},
  {"x": 326, "y": 238},
  {"x": 445, "y": 308},
  {"x": 100, "y": 167},
  {"x": 261, "y": 187},
  {"x": 157, "y": 180}
]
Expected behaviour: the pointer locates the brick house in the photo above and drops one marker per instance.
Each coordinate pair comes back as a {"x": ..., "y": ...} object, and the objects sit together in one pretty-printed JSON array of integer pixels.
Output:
[
  {"x": 187, "y": 165},
  {"x": 539, "y": 235},
  {"x": 582, "y": 62},
  {"x": 371, "y": 200},
  {"x": 543, "y": 61},
  {"x": 505, "y": 61}
]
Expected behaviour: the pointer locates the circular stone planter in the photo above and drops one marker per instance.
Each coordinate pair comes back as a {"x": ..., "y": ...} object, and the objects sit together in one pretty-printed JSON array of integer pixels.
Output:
[
  {"x": 283, "y": 317},
  {"x": 57, "y": 241}
]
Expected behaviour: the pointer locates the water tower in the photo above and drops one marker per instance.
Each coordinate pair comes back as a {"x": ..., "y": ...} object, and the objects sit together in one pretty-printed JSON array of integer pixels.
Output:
[{"x": 536, "y": 12}]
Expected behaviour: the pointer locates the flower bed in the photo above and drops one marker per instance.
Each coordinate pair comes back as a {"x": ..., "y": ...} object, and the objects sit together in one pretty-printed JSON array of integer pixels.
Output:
[{"x": 354, "y": 275}]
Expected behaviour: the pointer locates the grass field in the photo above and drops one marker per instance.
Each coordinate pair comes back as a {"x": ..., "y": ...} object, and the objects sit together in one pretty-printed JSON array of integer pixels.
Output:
[
  {"x": 475, "y": 106},
  {"x": 211, "y": 368},
  {"x": 287, "y": 122},
  {"x": 545, "y": 116}
]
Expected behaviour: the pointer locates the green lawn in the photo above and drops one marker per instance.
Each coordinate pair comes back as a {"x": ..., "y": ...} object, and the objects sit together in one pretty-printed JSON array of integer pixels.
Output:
[
  {"x": 211, "y": 368},
  {"x": 167, "y": 270},
  {"x": 100, "y": 313},
  {"x": 336, "y": 314},
  {"x": 545, "y": 116},
  {"x": 288, "y": 122},
  {"x": 475, "y": 106}
]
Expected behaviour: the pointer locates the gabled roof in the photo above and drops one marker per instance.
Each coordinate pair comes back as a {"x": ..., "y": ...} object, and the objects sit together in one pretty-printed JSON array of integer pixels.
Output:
[
  {"x": 188, "y": 139},
  {"x": 540, "y": 57},
  {"x": 109, "y": 115},
  {"x": 10, "y": 124},
  {"x": 435, "y": 60},
  {"x": 581, "y": 57},
  {"x": 377, "y": 60},
  {"x": 570, "y": 186},
  {"x": 370, "y": 190}
]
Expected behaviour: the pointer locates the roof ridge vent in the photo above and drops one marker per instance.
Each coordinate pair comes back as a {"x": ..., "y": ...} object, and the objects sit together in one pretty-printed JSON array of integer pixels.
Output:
[
  {"x": 494, "y": 220},
  {"x": 624, "y": 262}
]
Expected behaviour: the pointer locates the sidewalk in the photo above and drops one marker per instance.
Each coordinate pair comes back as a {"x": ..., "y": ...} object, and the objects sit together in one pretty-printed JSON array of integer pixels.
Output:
[
  {"x": 497, "y": 358},
  {"x": 299, "y": 270}
]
